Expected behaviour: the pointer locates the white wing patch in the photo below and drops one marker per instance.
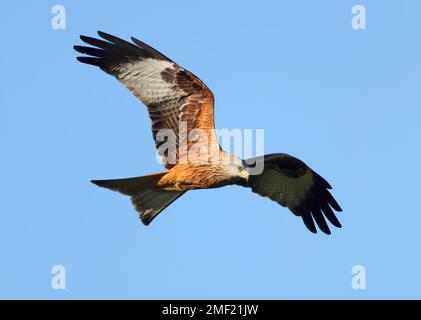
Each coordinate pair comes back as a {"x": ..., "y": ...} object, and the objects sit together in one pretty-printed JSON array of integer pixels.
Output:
[{"x": 144, "y": 79}]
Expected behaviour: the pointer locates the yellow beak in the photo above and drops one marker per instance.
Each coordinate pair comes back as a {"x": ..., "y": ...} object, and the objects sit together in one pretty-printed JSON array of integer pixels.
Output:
[{"x": 245, "y": 174}]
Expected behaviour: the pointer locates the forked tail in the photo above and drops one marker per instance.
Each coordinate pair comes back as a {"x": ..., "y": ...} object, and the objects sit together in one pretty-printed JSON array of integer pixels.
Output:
[{"x": 147, "y": 200}]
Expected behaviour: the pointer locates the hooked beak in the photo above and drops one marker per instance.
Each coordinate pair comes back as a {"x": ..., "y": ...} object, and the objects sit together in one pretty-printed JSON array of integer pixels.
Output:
[{"x": 245, "y": 175}]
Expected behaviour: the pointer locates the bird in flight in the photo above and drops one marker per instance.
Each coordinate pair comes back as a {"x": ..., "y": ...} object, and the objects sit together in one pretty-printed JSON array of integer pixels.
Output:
[{"x": 179, "y": 102}]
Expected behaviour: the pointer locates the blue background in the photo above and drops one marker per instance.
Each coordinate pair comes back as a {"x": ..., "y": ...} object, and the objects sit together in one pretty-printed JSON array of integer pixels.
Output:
[{"x": 346, "y": 102}]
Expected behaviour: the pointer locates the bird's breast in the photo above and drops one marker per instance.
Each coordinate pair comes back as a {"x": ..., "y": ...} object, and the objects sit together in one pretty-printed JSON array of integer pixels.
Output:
[{"x": 189, "y": 177}]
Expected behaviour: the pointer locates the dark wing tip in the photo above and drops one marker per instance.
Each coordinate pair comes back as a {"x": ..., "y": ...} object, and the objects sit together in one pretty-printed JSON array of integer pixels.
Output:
[
  {"x": 317, "y": 208},
  {"x": 113, "y": 39},
  {"x": 85, "y": 38},
  {"x": 102, "y": 34},
  {"x": 89, "y": 51},
  {"x": 332, "y": 202},
  {"x": 308, "y": 222},
  {"x": 90, "y": 60},
  {"x": 113, "y": 50},
  {"x": 330, "y": 215},
  {"x": 151, "y": 51},
  {"x": 337, "y": 207},
  {"x": 320, "y": 220}
]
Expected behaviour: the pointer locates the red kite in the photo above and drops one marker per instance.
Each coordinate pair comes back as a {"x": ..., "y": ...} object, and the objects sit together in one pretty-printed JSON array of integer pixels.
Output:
[{"x": 175, "y": 96}]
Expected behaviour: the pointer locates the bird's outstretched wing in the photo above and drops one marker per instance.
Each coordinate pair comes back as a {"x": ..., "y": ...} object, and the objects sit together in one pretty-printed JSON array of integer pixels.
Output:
[
  {"x": 291, "y": 183},
  {"x": 172, "y": 94}
]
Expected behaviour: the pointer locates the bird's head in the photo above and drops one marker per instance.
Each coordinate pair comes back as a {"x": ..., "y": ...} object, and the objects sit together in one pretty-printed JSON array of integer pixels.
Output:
[{"x": 234, "y": 169}]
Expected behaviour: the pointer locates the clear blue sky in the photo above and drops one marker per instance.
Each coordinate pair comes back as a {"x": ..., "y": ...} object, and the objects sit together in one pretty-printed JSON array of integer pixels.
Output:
[{"x": 346, "y": 102}]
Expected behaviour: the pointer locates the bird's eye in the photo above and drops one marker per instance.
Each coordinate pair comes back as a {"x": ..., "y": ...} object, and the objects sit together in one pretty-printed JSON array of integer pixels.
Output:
[{"x": 240, "y": 168}]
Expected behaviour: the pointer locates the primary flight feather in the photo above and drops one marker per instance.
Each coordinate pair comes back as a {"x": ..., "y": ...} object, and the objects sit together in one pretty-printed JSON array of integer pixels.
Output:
[{"x": 180, "y": 105}]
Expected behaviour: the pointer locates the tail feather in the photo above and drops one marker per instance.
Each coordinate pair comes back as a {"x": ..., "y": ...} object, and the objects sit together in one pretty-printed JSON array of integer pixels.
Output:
[
  {"x": 149, "y": 203},
  {"x": 147, "y": 200}
]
